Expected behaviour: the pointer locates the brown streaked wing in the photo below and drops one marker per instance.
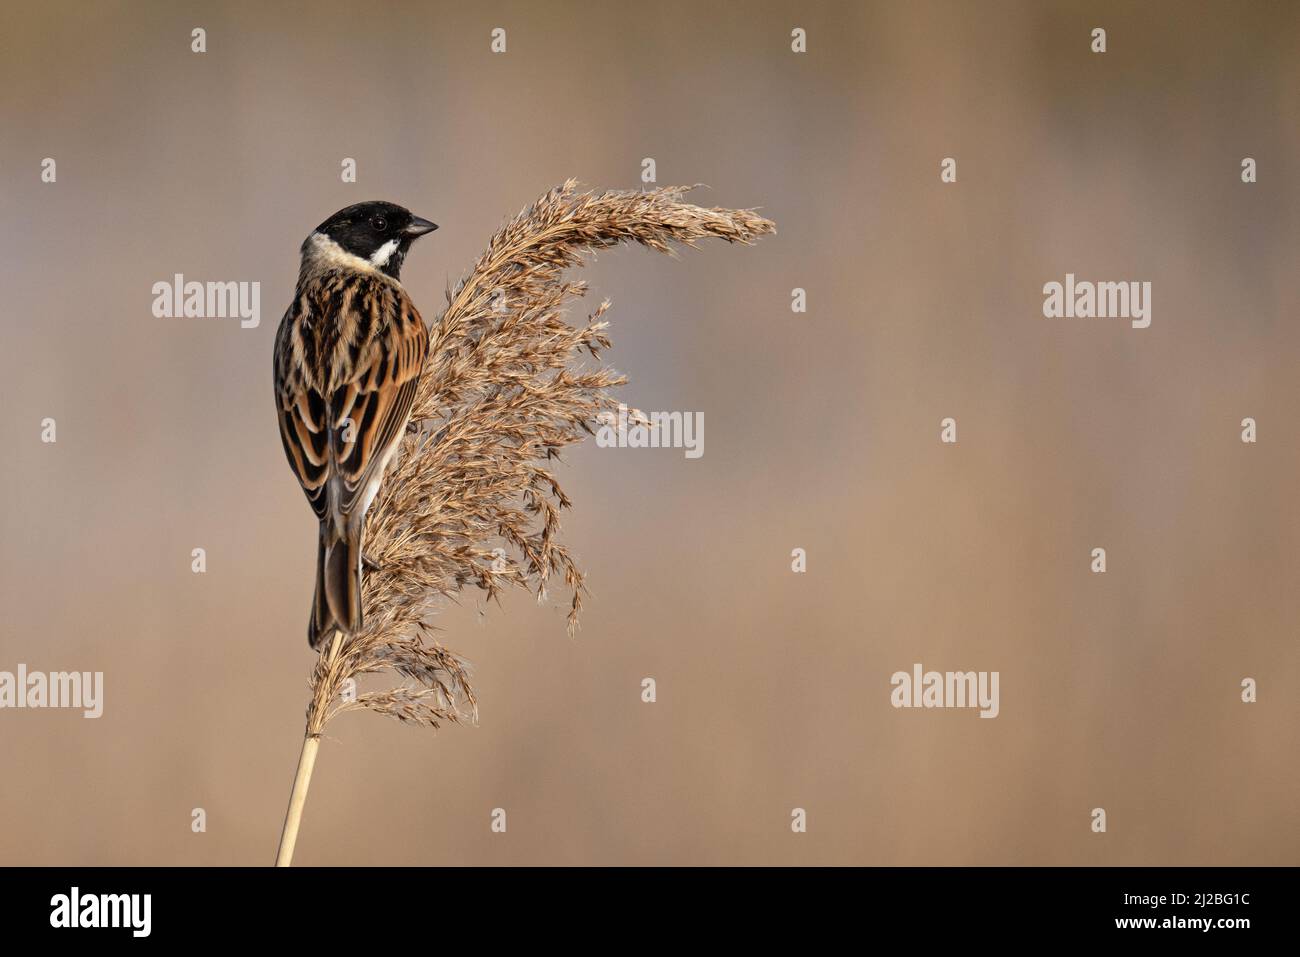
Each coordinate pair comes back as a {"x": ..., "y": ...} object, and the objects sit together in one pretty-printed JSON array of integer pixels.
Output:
[
  {"x": 379, "y": 400},
  {"x": 302, "y": 423}
]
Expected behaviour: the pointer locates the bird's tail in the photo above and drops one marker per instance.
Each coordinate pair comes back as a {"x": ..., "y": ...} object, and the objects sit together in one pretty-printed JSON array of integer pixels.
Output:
[{"x": 337, "y": 605}]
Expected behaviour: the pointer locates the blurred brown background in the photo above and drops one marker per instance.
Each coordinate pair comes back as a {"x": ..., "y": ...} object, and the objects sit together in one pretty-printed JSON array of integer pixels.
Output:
[{"x": 821, "y": 431}]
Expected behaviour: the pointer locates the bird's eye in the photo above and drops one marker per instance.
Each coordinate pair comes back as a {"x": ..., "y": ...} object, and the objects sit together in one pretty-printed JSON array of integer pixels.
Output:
[{"x": 379, "y": 223}]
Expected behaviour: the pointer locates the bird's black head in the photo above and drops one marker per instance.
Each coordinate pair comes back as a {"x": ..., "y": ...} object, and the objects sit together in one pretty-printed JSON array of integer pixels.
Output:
[{"x": 378, "y": 232}]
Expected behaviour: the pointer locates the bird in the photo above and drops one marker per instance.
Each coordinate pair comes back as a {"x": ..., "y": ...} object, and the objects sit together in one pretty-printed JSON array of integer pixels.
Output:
[{"x": 348, "y": 355}]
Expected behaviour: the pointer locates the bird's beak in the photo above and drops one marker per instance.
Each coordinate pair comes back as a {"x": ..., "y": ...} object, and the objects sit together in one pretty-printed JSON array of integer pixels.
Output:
[{"x": 419, "y": 227}]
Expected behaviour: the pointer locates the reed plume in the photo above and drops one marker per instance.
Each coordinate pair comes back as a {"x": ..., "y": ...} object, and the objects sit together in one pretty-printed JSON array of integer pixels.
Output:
[{"x": 472, "y": 500}]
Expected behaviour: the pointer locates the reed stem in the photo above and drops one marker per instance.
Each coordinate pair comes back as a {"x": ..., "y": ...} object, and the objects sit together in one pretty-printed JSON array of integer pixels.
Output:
[
  {"x": 297, "y": 799},
  {"x": 301, "y": 782}
]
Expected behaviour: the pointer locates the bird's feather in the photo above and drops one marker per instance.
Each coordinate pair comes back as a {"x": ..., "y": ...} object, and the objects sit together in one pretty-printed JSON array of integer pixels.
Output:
[{"x": 348, "y": 357}]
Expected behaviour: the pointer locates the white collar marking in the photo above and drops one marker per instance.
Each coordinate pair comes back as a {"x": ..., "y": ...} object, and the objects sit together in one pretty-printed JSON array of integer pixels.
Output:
[
  {"x": 383, "y": 253},
  {"x": 323, "y": 251}
]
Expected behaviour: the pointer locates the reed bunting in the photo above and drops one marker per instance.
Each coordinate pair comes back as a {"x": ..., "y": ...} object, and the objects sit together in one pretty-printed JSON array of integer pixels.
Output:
[{"x": 348, "y": 356}]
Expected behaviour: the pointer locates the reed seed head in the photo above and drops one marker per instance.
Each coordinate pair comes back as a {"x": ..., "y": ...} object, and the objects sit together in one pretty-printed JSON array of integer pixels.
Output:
[{"x": 506, "y": 387}]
